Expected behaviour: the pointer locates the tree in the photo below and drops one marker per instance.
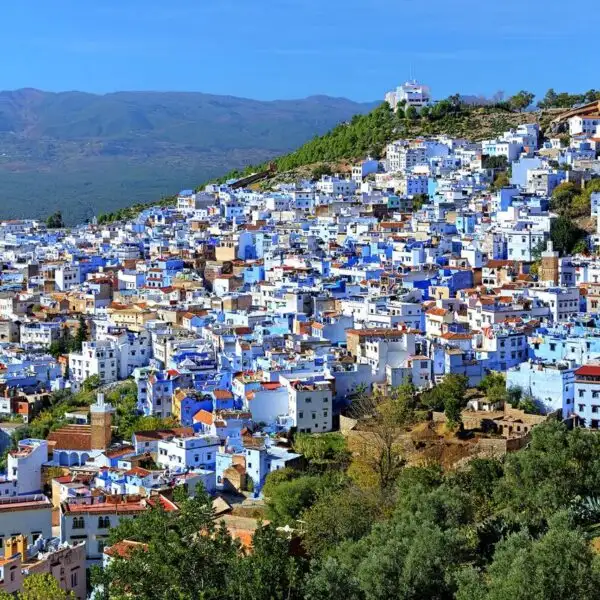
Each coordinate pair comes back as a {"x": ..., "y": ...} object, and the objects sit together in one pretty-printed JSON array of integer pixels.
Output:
[
  {"x": 494, "y": 162},
  {"x": 325, "y": 449},
  {"x": 521, "y": 100},
  {"x": 80, "y": 336},
  {"x": 581, "y": 247},
  {"x": 338, "y": 516},
  {"x": 378, "y": 458},
  {"x": 548, "y": 100},
  {"x": 453, "y": 412},
  {"x": 529, "y": 405},
  {"x": 558, "y": 466},
  {"x": 411, "y": 113},
  {"x": 419, "y": 200},
  {"x": 55, "y": 221},
  {"x": 268, "y": 572},
  {"x": 92, "y": 383},
  {"x": 452, "y": 387},
  {"x": 320, "y": 170},
  {"x": 562, "y": 198},
  {"x": 501, "y": 180},
  {"x": 39, "y": 586},
  {"x": 287, "y": 498},
  {"x": 332, "y": 579},
  {"x": 565, "y": 235},
  {"x": 187, "y": 554},
  {"x": 559, "y": 565}
]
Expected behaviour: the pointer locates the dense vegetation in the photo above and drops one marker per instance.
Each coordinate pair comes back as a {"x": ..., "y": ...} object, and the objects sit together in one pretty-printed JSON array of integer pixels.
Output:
[
  {"x": 122, "y": 396},
  {"x": 554, "y": 99},
  {"x": 39, "y": 586},
  {"x": 521, "y": 528},
  {"x": 86, "y": 154}
]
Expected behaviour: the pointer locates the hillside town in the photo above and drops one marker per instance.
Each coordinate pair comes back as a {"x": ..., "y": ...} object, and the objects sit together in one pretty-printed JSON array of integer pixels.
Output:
[{"x": 250, "y": 312}]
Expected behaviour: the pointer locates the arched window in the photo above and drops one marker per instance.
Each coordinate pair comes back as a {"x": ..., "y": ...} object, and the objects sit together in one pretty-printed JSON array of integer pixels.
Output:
[
  {"x": 78, "y": 523},
  {"x": 103, "y": 522}
]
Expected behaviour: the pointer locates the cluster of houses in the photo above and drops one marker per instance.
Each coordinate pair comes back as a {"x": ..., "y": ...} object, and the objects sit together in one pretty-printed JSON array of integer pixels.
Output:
[{"x": 243, "y": 314}]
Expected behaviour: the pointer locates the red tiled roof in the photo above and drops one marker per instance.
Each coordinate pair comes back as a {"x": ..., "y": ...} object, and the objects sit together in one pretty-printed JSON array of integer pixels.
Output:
[
  {"x": 124, "y": 548},
  {"x": 203, "y": 416},
  {"x": 591, "y": 370},
  {"x": 138, "y": 471},
  {"x": 72, "y": 437}
]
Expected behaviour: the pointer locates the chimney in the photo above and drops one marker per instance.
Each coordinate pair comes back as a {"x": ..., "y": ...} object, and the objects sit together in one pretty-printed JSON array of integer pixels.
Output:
[
  {"x": 21, "y": 543},
  {"x": 10, "y": 548}
]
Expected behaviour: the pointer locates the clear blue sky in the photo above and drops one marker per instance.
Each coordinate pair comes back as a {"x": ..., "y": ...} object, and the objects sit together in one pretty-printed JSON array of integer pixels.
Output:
[{"x": 293, "y": 48}]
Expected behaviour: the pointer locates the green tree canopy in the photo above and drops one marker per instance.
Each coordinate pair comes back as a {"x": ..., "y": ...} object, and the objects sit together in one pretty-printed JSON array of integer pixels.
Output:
[
  {"x": 55, "y": 221},
  {"x": 521, "y": 100}
]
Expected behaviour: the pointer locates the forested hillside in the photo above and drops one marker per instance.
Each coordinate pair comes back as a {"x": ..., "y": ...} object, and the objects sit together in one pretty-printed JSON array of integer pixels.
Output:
[
  {"x": 522, "y": 528},
  {"x": 85, "y": 154},
  {"x": 368, "y": 134}
]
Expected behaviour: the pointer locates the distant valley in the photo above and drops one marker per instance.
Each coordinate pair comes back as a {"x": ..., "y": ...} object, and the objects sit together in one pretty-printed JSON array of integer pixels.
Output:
[{"x": 85, "y": 154}]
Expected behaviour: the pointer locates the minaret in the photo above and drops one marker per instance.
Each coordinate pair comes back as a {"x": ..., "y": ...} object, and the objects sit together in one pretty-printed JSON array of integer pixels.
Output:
[
  {"x": 101, "y": 423},
  {"x": 549, "y": 267}
]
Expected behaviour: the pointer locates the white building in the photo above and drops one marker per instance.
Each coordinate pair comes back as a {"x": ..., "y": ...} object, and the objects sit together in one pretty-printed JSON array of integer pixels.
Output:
[
  {"x": 30, "y": 516},
  {"x": 402, "y": 157},
  {"x": 133, "y": 350},
  {"x": 96, "y": 358},
  {"x": 510, "y": 150},
  {"x": 411, "y": 92},
  {"x": 24, "y": 469},
  {"x": 91, "y": 518},
  {"x": 584, "y": 124},
  {"x": 196, "y": 452},
  {"x": 67, "y": 276},
  {"x": 335, "y": 186},
  {"x": 562, "y": 301},
  {"x": 309, "y": 404},
  {"x": 39, "y": 334}
]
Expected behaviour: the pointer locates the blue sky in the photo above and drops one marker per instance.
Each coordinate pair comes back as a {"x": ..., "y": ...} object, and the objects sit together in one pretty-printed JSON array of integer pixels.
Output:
[{"x": 293, "y": 48}]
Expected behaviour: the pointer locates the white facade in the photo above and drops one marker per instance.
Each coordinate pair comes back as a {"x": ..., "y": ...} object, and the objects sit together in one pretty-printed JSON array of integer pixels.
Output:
[
  {"x": 510, "y": 150},
  {"x": 39, "y": 334},
  {"x": 66, "y": 277},
  {"x": 30, "y": 516},
  {"x": 563, "y": 302},
  {"x": 584, "y": 124},
  {"x": 401, "y": 157},
  {"x": 309, "y": 404},
  {"x": 179, "y": 454},
  {"x": 24, "y": 468},
  {"x": 334, "y": 186},
  {"x": 411, "y": 92},
  {"x": 96, "y": 358}
]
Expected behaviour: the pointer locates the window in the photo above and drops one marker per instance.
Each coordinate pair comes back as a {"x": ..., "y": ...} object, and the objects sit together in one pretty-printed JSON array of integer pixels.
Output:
[
  {"x": 74, "y": 575},
  {"x": 78, "y": 523},
  {"x": 581, "y": 393},
  {"x": 300, "y": 415},
  {"x": 103, "y": 522},
  {"x": 581, "y": 407}
]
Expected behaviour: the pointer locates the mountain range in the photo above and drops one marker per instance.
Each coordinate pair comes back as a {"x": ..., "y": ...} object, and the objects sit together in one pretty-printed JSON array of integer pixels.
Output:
[{"x": 85, "y": 154}]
